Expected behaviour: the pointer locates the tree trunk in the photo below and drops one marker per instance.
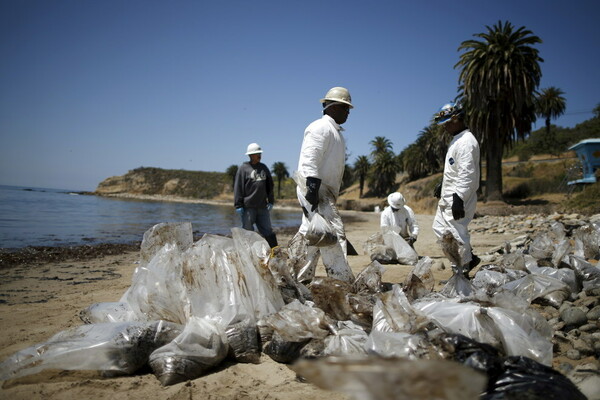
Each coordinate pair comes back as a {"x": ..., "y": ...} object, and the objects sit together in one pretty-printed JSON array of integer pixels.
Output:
[{"x": 493, "y": 182}]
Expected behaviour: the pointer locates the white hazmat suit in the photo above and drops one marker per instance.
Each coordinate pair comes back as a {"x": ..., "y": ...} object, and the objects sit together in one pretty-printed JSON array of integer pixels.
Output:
[
  {"x": 461, "y": 176},
  {"x": 403, "y": 218},
  {"x": 323, "y": 156}
]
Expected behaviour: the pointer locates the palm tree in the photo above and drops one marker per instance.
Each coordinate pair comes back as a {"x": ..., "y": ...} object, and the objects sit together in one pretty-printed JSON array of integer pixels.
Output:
[
  {"x": 361, "y": 169},
  {"x": 383, "y": 174},
  {"x": 498, "y": 80},
  {"x": 380, "y": 145},
  {"x": 550, "y": 104},
  {"x": 231, "y": 171},
  {"x": 280, "y": 171},
  {"x": 596, "y": 111}
]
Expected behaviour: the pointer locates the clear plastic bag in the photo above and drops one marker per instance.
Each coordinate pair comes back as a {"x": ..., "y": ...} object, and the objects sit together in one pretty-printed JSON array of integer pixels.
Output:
[
  {"x": 394, "y": 344},
  {"x": 320, "y": 232},
  {"x": 107, "y": 312},
  {"x": 404, "y": 253},
  {"x": 394, "y": 313},
  {"x": 117, "y": 348},
  {"x": 348, "y": 339},
  {"x": 191, "y": 354},
  {"x": 296, "y": 322}
]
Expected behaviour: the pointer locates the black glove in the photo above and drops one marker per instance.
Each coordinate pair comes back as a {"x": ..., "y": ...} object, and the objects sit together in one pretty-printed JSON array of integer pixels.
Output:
[
  {"x": 312, "y": 191},
  {"x": 411, "y": 240},
  {"x": 437, "y": 190},
  {"x": 458, "y": 207}
]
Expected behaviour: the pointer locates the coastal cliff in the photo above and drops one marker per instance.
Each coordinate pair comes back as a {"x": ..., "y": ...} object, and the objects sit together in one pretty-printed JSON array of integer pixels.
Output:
[{"x": 167, "y": 182}]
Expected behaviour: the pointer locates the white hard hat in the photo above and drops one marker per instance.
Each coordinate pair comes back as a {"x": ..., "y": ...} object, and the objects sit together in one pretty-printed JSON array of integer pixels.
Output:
[
  {"x": 396, "y": 200},
  {"x": 253, "y": 148},
  {"x": 338, "y": 94}
]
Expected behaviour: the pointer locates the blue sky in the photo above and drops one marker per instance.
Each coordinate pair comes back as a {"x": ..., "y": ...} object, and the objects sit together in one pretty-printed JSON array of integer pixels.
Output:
[{"x": 92, "y": 89}]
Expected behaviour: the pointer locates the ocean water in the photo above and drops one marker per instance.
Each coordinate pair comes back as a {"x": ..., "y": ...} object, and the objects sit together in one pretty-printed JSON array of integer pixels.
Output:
[{"x": 55, "y": 217}]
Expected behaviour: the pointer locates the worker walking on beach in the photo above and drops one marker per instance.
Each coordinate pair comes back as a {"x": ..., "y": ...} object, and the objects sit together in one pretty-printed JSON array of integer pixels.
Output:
[
  {"x": 400, "y": 216},
  {"x": 253, "y": 194},
  {"x": 458, "y": 191},
  {"x": 321, "y": 167}
]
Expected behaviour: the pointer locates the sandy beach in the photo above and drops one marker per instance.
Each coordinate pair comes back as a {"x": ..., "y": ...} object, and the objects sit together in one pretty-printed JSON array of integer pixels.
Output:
[{"x": 38, "y": 300}]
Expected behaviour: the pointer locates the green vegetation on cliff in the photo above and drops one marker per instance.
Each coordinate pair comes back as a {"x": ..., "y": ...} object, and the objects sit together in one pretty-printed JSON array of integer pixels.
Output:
[{"x": 173, "y": 182}]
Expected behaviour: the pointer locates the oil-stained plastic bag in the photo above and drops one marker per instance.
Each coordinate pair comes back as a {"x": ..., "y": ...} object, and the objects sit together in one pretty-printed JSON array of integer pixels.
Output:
[
  {"x": 243, "y": 340},
  {"x": 376, "y": 378},
  {"x": 542, "y": 246},
  {"x": 369, "y": 279},
  {"x": 394, "y": 344},
  {"x": 517, "y": 333},
  {"x": 378, "y": 251},
  {"x": 190, "y": 355},
  {"x": 296, "y": 322},
  {"x": 116, "y": 348},
  {"x": 281, "y": 267},
  {"x": 561, "y": 250},
  {"x": 178, "y": 233},
  {"x": 534, "y": 286},
  {"x": 489, "y": 280},
  {"x": 458, "y": 286},
  {"x": 404, "y": 253},
  {"x": 420, "y": 282},
  {"x": 284, "y": 351},
  {"x": 565, "y": 275},
  {"x": 107, "y": 312},
  {"x": 348, "y": 339},
  {"x": 587, "y": 241},
  {"x": 331, "y": 296},
  {"x": 394, "y": 313},
  {"x": 320, "y": 232}
]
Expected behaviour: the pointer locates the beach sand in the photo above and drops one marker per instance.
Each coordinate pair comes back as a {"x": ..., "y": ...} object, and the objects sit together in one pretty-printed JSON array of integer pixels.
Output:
[{"x": 41, "y": 299}]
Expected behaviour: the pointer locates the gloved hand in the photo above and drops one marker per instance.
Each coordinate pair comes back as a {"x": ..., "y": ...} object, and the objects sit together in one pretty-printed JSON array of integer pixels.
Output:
[
  {"x": 458, "y": 207},
  {"x": 240, "y": 211},
  {"x": 269, "y": 206},
  {"x": 312, "y": 192},
  {"x": 437, "y": 191}
]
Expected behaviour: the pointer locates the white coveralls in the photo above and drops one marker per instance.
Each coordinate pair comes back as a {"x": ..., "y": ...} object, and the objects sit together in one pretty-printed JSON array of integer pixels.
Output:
[
  {"x": 404, "y": 219},
  {"x": 461, "y": 176},
  {"x": 323, "y": 156}
]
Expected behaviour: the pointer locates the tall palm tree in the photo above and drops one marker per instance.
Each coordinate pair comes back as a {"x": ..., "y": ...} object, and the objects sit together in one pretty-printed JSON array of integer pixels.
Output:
[
  {"x": 498, "y": 79},
  {"x": 380, "y": 145},
  {"x": 280, "y": 171},
  {"x": 361, "y": 169},
  {"x": 383, "y": 174},
  {"x": 231, "y": 171},
  {"x": 596, "y": 111},
  {"x": 550, "y": 104}
]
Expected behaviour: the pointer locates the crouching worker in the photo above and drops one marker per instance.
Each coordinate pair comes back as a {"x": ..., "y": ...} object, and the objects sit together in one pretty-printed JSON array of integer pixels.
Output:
[
  {"x": 321, "y": 167},
  {"x": 402, "y": 217},
  {"x": 253, "y": 194}
]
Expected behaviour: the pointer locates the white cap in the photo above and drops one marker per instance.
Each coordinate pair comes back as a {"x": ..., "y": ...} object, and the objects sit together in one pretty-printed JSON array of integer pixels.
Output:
[
  {"x": 396, "y": 200},
  {"x": 253, "y": 148}
]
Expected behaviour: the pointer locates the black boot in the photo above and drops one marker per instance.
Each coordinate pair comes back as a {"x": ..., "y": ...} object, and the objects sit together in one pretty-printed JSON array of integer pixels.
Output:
[{"x": 272, "y": 240}]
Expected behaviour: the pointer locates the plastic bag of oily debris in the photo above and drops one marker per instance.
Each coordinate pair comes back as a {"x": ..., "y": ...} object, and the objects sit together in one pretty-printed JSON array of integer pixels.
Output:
[
  {"x": 514, "y": 331},
  {"x": 588, "y": 273},
  {"x": 404, "y": 253},
  {"x": 561, "y": 250},
  {"x": 542, "y": 246},
  {"x": 178, "y": 233},
  {"x": 536, "y": 286},
  {"x": 378, "y": 251},
  {"x": 458, "y": 286},
  {"x": 297, "y": 322},
  {"x": 565, "y": 275},
  {"x": 320, "y": 232},
  {"x": 243, "y": 340},
  {"x": 114, "y": 348},
  {"x": 587, "y": 241},
  {"x": 395, "y": 344},
  {"x": 190, "y": 355},
  {"x": 369, "y": 279},
  {"x": 280, "y": 266},
  {"x": 348, "y": 339},
  {"x": 420, "y": 282},
  {"x": 394, "y": 313},
  {"x": 285, "y": 351},
  {"x": 107, "y": 312},
  {"x": 375, "y": 378},
  {"x": 524, "y": 378},
  {"x": 331, "y": 296}
]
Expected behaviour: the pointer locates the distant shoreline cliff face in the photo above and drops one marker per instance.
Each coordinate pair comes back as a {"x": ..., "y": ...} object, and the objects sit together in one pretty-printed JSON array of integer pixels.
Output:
[{"x": 173, "y": 182}]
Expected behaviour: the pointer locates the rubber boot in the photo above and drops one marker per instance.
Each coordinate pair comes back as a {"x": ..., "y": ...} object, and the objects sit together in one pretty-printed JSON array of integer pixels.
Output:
[{"x": 272, "y": 240}]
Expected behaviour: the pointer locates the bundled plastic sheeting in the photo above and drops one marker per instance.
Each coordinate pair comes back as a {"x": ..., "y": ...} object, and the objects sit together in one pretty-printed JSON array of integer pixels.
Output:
[
  {"x": 394, "y": 313},
  {"x": 374, "y": 378},
  {"x": 348, "y": 339},
  {"x": 188, "y": 356},
  {"x": 517, "y": 333},
  {"x": 118, "y": 348},
  {"x": 107, "y": 312}
]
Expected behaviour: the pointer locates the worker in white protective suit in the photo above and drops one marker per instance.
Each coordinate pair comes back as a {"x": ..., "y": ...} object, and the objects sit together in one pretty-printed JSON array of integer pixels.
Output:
[
  {"x": 458, "y": 190},
  {"x": 321, "y": 167},
  {"x": 401, "y": 217}
]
